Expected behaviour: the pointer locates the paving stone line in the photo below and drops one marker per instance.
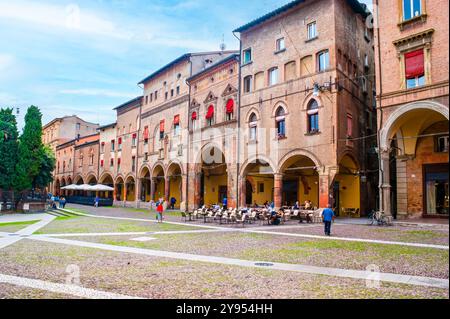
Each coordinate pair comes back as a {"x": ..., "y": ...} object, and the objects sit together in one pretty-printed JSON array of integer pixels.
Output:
[
  {"x": 337, "y": 272},
  {"x": 61, "y": 288},
  {"x": 27, "y": 231},
  {"x": 169, "y": 232}
]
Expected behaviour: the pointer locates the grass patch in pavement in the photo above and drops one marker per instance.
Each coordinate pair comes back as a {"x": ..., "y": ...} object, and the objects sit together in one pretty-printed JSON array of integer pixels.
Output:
[{"x": 16, "y": 226}]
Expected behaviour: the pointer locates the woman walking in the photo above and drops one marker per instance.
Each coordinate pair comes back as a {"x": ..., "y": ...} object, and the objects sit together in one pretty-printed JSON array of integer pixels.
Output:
[{"x": 160, "y": 210}]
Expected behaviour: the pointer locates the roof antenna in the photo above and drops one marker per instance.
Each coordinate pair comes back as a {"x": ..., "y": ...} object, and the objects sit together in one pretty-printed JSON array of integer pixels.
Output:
[{"x": 222, "y": 45}]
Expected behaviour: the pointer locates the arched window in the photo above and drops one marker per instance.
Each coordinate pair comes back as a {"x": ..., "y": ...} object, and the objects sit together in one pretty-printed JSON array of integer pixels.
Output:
[
  {"x": 229, "y": 109},
  {"x": 281, "y": 122},
  {"x": 253, "y": 125},
  {"x": 210, "y": 115},
  {"x": 313, "y": 117},
  {"x": 194, "y": 118}
]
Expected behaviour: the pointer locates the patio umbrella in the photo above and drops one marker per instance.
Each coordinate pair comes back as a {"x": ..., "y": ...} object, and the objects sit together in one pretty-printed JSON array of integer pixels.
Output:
[
  {"x": 101, "y": 188},
  {"x": 69, "y": 187}
]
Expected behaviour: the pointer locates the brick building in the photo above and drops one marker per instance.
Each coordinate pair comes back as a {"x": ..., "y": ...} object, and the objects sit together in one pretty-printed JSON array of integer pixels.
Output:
[
  {"x": 62, "y": 130},
  {"x": 412, "y": 59},
  {"x": 307, "y": 112}
]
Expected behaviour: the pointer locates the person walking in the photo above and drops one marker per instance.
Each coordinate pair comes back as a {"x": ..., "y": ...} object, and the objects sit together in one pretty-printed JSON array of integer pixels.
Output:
[
  {"x": 97, "y": 200},
  {"x": 225, "y": 203},
  {"x": 173, "y": 200},
  {"x": 328, "y": 217},
  {"x": 160, "y": 210}
]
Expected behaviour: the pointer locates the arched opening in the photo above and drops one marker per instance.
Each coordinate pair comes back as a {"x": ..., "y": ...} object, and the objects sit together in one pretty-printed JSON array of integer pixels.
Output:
[
  {"x": 63, "y": 184},
  {"x": 259, "y": 183},
  {"x": 119, "y": 189},
  {"x": 78, "y": 181},
  {"x": 91, "y": 180},
  {"x": 346, "y": 189},
  {"x": 159, "y": 182},
  {"x": 69, "y": 182},
  {"x": 416, "y": 137},
  {"x": 300, "y": 182},
  {"x": 57, "y": 188},
  {"x": 130, "y": 185},
  {"x": 145, "y": 185},
  {"x": 174, "y": 174},
  {"x": 213, "y": 176},
  {"x": 108, "y": 181}
]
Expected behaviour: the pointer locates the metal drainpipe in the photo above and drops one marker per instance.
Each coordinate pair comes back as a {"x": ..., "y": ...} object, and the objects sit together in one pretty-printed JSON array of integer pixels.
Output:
[
  {"x": 381, "y": 182},
  {"x": 238, "y": 125},
  {"x": 137, "y": 149},
  {"x": 188, "y": 138}
]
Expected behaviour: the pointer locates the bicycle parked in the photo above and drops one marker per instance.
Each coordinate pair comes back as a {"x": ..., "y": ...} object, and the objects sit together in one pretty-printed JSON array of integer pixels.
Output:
[{"x": 379, "y": 218}]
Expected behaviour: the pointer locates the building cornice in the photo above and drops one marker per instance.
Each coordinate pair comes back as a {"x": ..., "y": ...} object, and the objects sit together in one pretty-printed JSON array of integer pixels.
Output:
[{"x": 165, "y": 106}]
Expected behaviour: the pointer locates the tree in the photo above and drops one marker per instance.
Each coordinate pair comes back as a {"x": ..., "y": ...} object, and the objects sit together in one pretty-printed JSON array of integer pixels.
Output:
[
  {"x": 31, "y": 151},
  {"x": 46, "y": 168},
  {"x": 8, "y": 148}
]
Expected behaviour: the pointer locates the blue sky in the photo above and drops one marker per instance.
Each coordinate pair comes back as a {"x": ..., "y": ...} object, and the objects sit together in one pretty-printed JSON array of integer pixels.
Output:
[{"x": 86, "y": 57}]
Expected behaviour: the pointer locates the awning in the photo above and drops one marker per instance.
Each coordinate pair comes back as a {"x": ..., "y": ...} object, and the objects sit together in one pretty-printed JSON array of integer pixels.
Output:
[
  {"x": 210, "y": 112},
  {"x": 146, "y": 133},
  {"x": 230, "y": 106},
  {"x": 194, "y": 116},
  {"x": 161, "y": 126},
  {"x": 414, "y": 64},
  {"x": 176, "y": 120}
]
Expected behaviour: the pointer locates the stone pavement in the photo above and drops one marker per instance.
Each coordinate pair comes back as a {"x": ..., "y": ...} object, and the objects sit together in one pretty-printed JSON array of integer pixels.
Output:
[{"x": 8, "y": 239}]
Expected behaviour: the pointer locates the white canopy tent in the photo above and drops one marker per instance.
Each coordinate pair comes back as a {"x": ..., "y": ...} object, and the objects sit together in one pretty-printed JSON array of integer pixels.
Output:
[{"x": 86, "y": 187}]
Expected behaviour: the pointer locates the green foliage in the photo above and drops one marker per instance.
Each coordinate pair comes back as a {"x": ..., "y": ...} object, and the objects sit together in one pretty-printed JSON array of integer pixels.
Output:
[
  {"x": 44, "y": 176},
  {"x": 31, "y": 152},
  {"x": 8, "y": 148}
]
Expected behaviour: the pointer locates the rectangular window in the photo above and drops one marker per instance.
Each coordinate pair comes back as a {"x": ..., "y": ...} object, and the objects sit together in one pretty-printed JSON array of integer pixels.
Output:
[
  {"x": 133, "y": 163},
  {"x": 102, "y": 148},
  {"x": 113, "y": 146},
  {"x": 171, "y": 93},
  {"x": 253, "y": 133},
  {"x": 261, "y": 187},
  {"x": 281, "y": 44},
  {"x": 134, "y": 140},
  {"x": 366, "y": 61},
  {"x": 111, "y": 162},
  {"x": 119, "y": 143},
  {"x": 281, "y": 128},
  {"x": 323, "y": 61},
  {"x": 313, "y": 123},
  {"x": 78, "y": 128},
  {"x": 151, "y": 97},
  {"x": 349, "y": 125},
  {"x": 273, "y": 76},
  {"x": 145, "y": 157},
  {"x": 411, "y": 9},
  {"x": 414, "y": 69},
  {"x": 442, "y": 144},
  {"x": 146, "y": 99},
  {"x": 156, "y": 95},
  {"x": 247, "y": 56},
  {"x": 247, "y": 84},
  {"x": 312, "y": 30},
  {"x": 178, "y": 90},
  {"x": 166, "y": 95}
]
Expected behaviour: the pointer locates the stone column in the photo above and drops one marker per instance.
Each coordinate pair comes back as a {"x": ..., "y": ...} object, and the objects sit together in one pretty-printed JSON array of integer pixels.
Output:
[
  {"x": 167, "y": 188},
  {"x": 324, "y": 191},
  {"x": 385, "y": 185},
  {"x": 278, "y": 190},
  {"x": 152, "y": 188},
  {"x": 124, "y": 193},
  {"x": 231, "y": 188},
  {"x": 183, "y": 190},
  {"x": 242, "y": 190}
]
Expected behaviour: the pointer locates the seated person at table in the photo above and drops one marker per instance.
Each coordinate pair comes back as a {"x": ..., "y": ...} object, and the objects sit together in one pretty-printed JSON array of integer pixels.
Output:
[
  {"x": 275, "y": 217},
  {"x": 308, "y": 205},
  {"x": 296, "y": 206}
]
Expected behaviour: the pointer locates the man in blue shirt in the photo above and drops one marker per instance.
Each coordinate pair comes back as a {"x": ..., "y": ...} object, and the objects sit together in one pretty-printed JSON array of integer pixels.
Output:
[
  {"x": 225, "y": 203},
  {"x": 328, "y": 217}
]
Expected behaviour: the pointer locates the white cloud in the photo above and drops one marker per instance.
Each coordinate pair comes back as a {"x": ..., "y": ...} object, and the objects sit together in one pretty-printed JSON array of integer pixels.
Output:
[
  {"x": 6, "y": 61},
  {"x": 65, "y": 18},
  {"x": 98, "y": 92}
]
